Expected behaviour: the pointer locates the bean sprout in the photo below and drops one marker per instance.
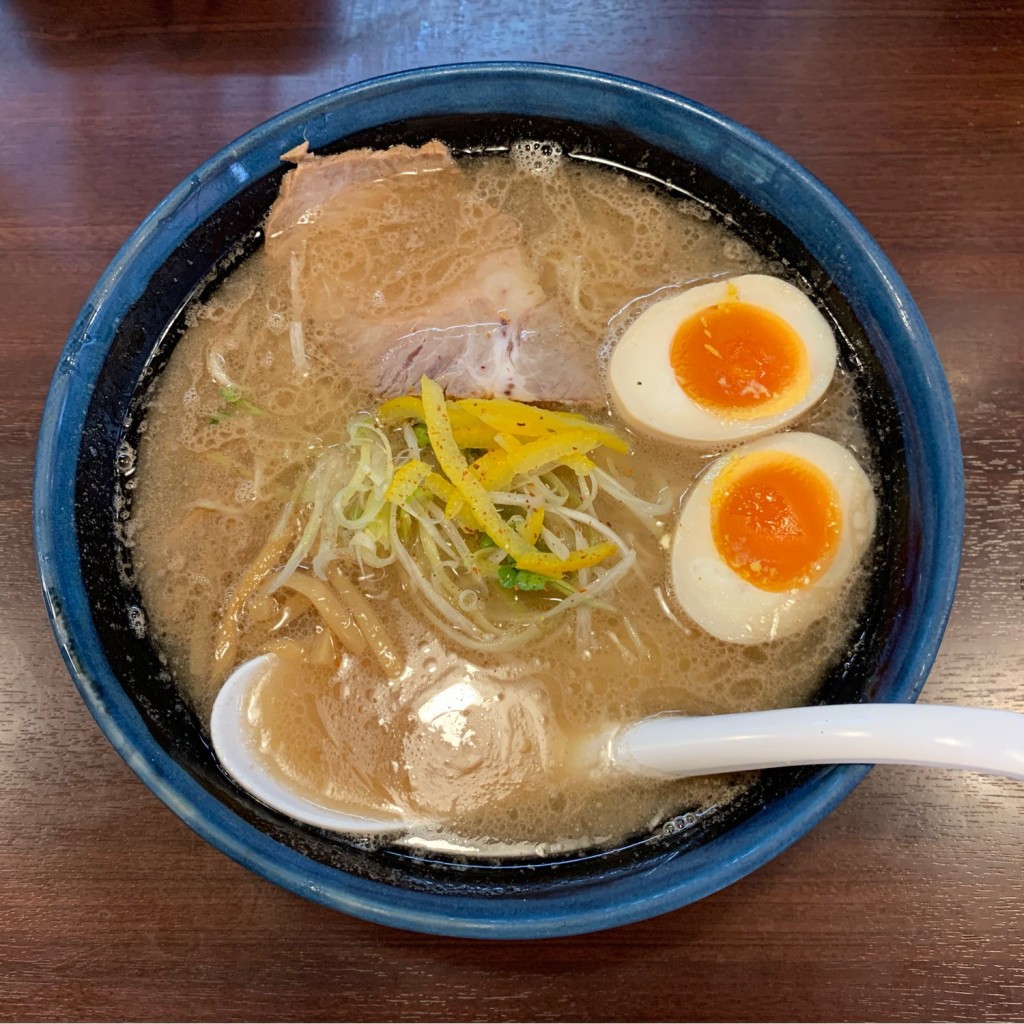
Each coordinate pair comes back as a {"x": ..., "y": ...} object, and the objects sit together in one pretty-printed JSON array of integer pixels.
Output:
[{"x": 469, "y": 585}]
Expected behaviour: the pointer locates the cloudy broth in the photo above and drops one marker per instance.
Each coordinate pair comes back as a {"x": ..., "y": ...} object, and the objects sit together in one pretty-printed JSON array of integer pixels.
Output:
[{"x": 476, "y": 746}]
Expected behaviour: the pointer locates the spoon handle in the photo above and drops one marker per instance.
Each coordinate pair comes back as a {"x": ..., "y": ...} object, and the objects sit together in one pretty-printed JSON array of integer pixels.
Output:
[{"x": 938, "y": 736}]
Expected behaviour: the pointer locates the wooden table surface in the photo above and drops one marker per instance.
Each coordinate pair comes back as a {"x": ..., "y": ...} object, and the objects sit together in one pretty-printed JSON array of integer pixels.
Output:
[{"x": 907, "y": 904}]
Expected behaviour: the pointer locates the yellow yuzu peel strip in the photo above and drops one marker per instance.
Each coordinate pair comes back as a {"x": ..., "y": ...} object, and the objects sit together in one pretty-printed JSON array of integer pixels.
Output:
[
  {"x": 406, "y": 479},
  {"x": 496, "y": 470},
  {"x": 510, "y": 417},
  {"x": 469, "y": 431},
  {"x": 531, "y": 529},
  {"x": 457, "y": 469}
]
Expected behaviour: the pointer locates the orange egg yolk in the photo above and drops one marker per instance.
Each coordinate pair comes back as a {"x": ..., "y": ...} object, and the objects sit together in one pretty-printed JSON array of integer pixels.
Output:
[
  {"x": 775, "y": 520},
  {"x": 740, "y": 360}
]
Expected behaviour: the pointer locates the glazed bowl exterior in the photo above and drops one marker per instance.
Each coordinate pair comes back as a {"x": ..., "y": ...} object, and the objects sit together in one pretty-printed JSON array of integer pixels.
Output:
[{"x": 111, "y": 349}]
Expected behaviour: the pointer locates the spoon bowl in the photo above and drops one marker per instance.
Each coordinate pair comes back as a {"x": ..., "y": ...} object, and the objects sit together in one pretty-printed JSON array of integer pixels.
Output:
[
  {"x": 672, "y": 746},
  {"x": 238, "y": 751}
]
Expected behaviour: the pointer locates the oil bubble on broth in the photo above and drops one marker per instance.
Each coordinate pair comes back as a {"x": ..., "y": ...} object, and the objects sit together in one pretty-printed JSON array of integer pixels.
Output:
[{"x": 267, "y": 378}]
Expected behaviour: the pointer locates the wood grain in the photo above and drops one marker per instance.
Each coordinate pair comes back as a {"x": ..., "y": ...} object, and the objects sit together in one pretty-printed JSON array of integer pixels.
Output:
[{"x": 907, "y": 904}]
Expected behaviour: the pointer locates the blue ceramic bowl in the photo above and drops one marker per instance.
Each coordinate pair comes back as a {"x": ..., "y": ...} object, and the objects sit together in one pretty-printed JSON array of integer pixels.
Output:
[{"x": 130, "y": 323}]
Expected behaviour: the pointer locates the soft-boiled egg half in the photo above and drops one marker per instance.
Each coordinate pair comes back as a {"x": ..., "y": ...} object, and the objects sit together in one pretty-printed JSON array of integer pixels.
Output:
[
  {"x": 768, "y": 536},
  {"x": 723, "y": 361}
]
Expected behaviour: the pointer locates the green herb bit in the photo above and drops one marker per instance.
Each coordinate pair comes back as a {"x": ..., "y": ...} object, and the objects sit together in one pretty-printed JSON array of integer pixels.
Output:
[
  {"x": 512, "y": 578},
  {"x": 235, "y": 402},
  {"x": 507, "y": 575},
  {"x": 422, "y": 437},
  {"x": 531, "y": 580},
  {"x": 485, "y": 541}
]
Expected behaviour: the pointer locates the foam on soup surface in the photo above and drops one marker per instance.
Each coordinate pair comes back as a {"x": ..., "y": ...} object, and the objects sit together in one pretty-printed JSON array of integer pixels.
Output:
[{"x": 495, "y": 275}]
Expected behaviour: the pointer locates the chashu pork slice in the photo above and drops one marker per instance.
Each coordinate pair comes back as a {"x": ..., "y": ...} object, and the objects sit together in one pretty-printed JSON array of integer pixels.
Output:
[
  {"x": 316, "y": 181},
  {"x": 494, "y": 334},
  {"x": 411, "y": 274}
]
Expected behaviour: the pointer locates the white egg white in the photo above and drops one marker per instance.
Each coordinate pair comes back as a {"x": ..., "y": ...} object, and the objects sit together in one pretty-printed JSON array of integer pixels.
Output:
[
  {"x": 643, "y": 384},
  {"x": 725, "y": 604}
]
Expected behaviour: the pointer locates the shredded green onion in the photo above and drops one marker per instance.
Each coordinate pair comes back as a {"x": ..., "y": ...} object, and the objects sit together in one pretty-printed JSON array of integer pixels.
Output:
[
  {"x": 233, "y": 402},
  {"x": 358, "y": 513}
]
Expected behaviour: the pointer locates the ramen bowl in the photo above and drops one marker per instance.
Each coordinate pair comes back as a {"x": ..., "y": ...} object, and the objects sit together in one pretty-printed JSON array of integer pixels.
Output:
[{"x": 129, "y": 325}]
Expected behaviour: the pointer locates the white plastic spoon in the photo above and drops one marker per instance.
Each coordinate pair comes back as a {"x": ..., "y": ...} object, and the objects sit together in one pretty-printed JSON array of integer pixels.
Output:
[
  {"x": 674, "y": 746},
  {"x": 237, "y": 750},
  {"x": 936, "y": 736}
]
